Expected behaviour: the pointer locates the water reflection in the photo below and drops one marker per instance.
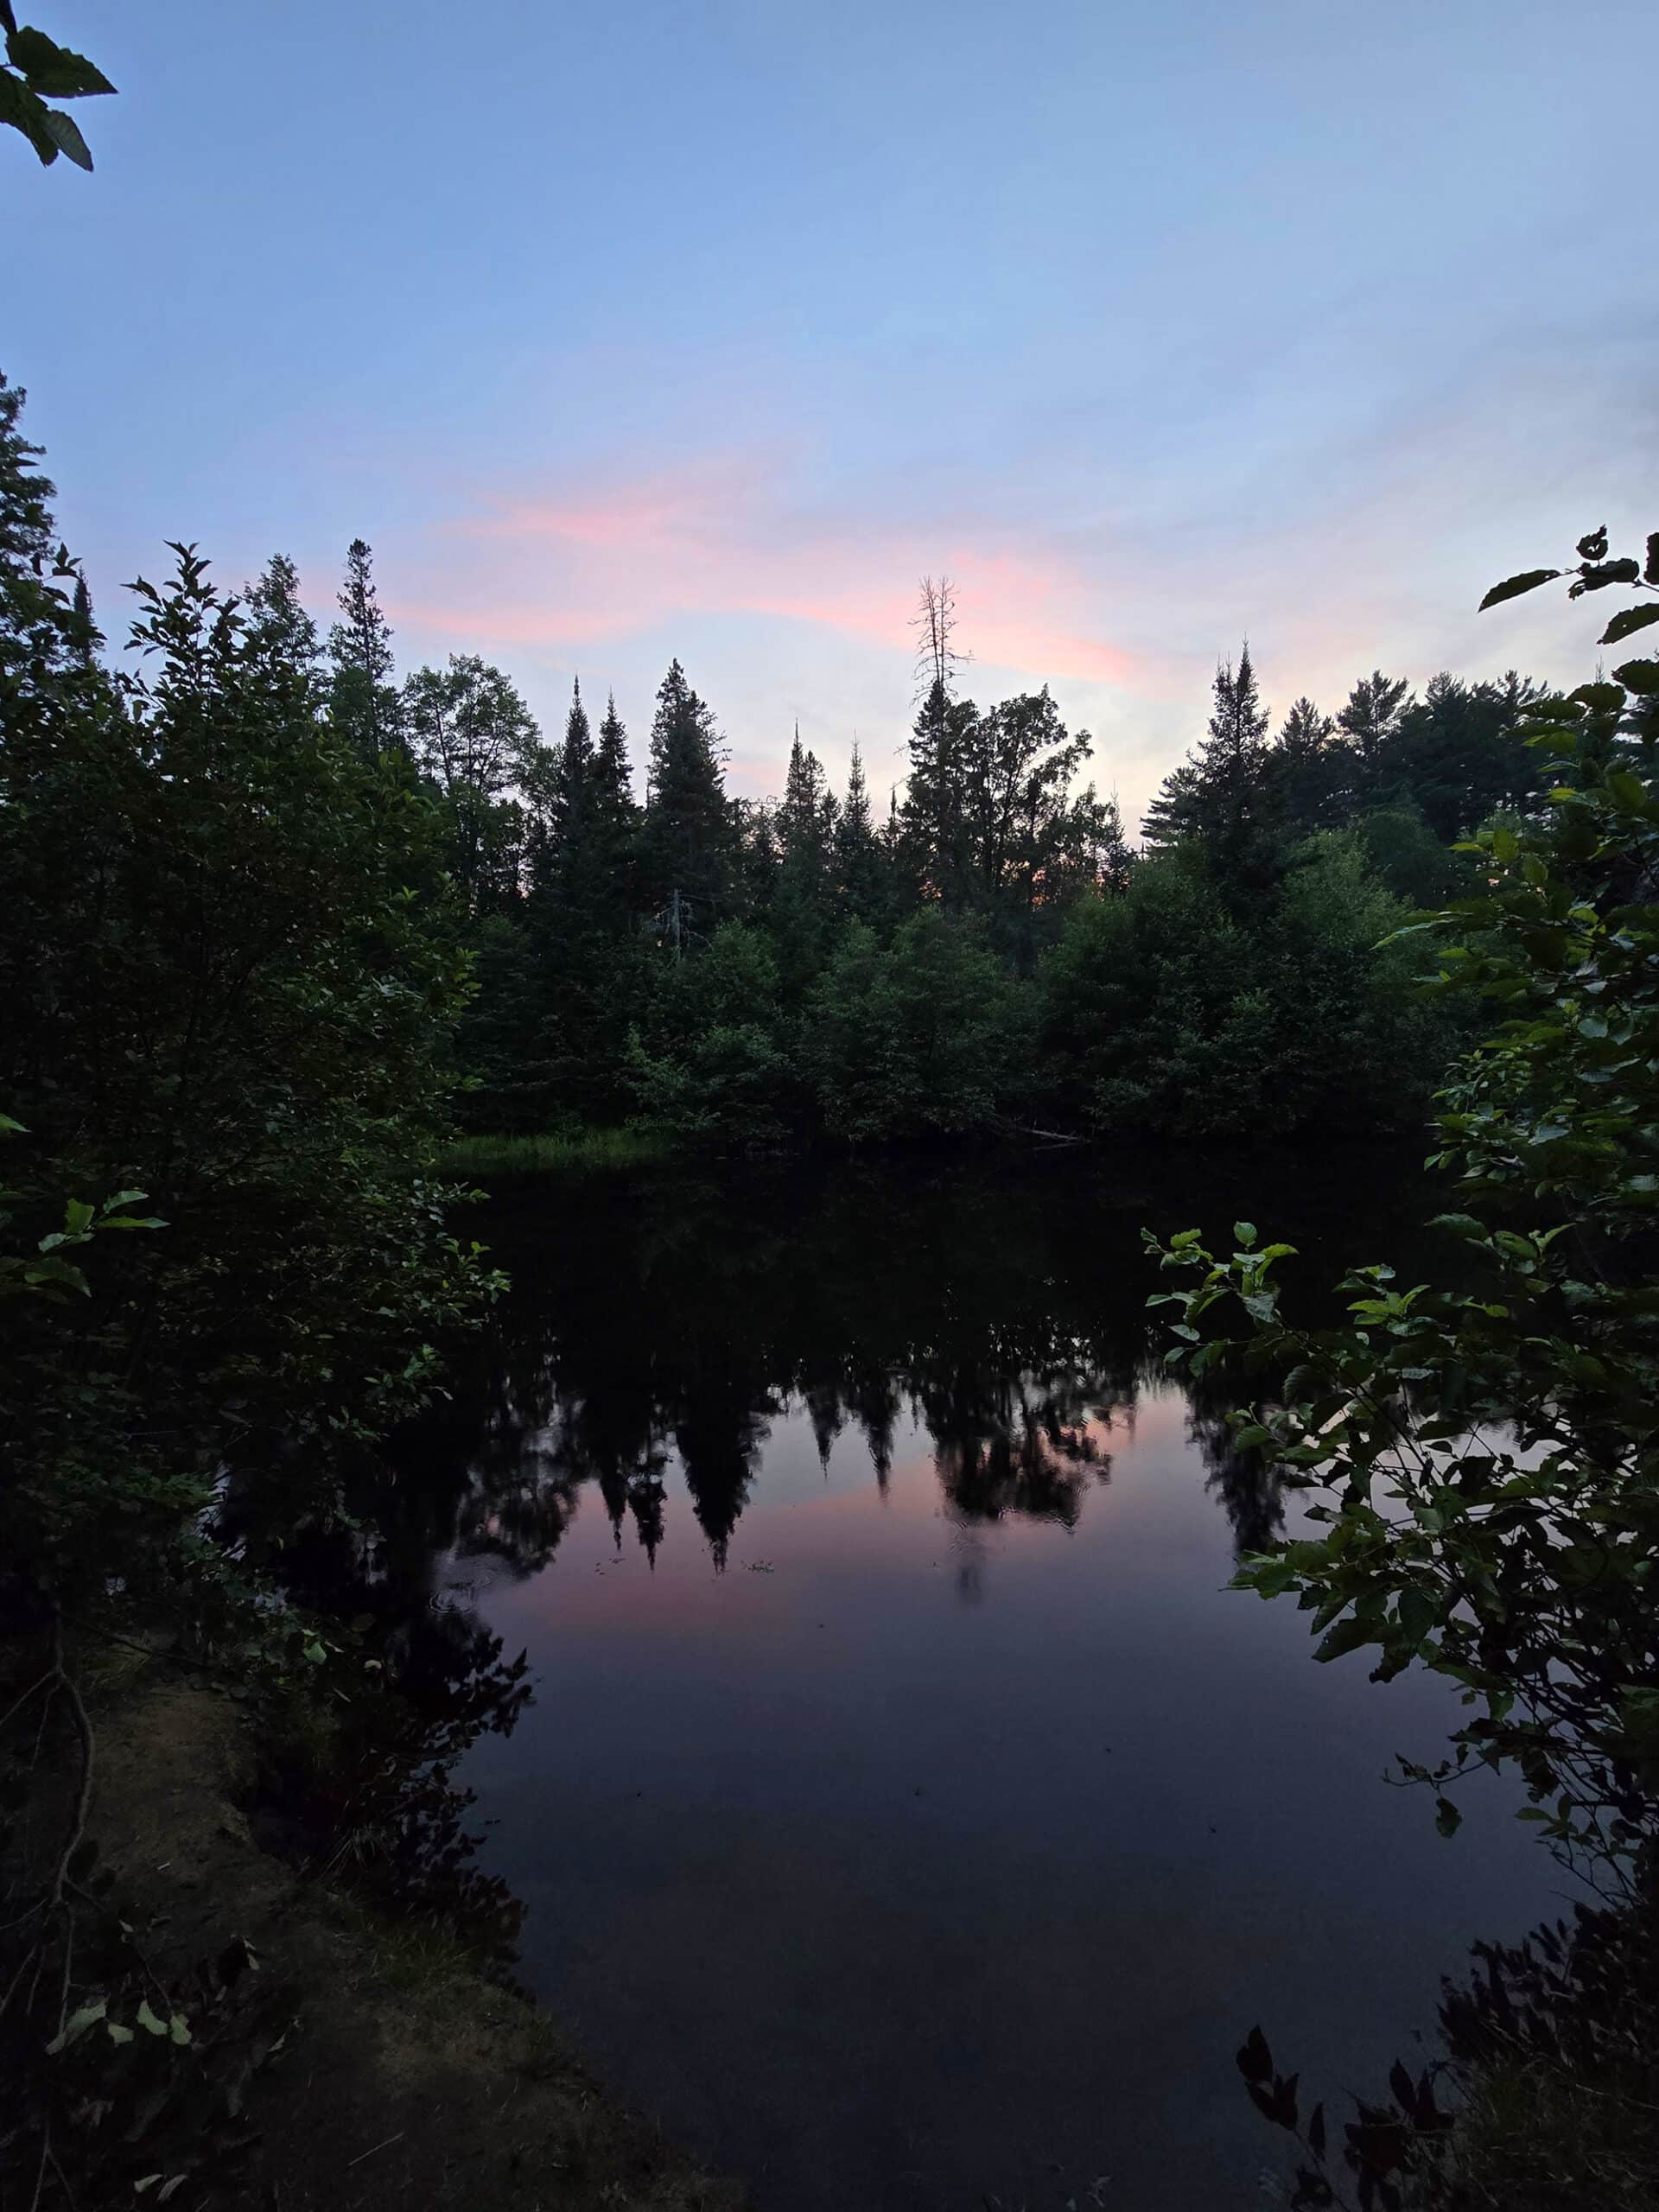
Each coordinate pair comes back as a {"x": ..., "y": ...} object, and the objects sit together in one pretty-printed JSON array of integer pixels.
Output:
[
  {"x": 649, "y": 1330},
  {"x": 905, "y": 1814}
]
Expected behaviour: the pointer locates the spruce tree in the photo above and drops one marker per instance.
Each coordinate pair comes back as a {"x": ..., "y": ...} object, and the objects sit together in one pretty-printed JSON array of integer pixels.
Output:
[
  {"x": 613, "y": 805},
  {"x": 935, "y": 832},
  {"x": 365, "y": 702},
  {"x": 1235, "y": 804},
  {"x": 687, "y": 842},
  {"x": 859, "y": 865},
  {"x": 571, "y": 778}
]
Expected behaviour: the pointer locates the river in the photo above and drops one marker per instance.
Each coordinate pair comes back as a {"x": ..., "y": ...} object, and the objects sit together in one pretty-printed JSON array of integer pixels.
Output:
[{"x": 905, "y": 1811}]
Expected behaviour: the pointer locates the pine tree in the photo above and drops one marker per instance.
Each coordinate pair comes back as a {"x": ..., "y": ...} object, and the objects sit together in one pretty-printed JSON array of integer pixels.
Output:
[
  {"x": 800, "y": 819},
  {"x": 1173, "y": 815},
  {"x": 935, "y": 832},
  {"x": 1312, "y": 770},
  {"x": 860, "y": 863},
  {"x": 365, "y": 702},
  {"x": 1371, "y": 719},
  {"x": 613, "y": 786},
  {"x": 687, "y": 841},
  {"x": 570, "y": 780},
  {"x": 1236, "y": 810},
  {"x": 279, "y": 626}
]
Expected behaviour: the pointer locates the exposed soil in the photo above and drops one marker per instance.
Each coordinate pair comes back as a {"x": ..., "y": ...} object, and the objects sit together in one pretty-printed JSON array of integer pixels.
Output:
[{"x": 383, "y": 2069}]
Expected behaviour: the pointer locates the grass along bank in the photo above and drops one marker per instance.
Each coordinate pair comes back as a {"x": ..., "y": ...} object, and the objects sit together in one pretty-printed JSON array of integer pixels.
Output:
[{"x": 570, "y": 1150}]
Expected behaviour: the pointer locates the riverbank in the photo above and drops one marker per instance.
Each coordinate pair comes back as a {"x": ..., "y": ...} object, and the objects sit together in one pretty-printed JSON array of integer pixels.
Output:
[
  {"x": 350, "y": 2061},
  {"x": 577, "y": 1151}
]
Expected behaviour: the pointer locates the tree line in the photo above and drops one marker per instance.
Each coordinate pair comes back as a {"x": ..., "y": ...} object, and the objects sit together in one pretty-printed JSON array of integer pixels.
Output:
[{"x": 987, "y": 952}]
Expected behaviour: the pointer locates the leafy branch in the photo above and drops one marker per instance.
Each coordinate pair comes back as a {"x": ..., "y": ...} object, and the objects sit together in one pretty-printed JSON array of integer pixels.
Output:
[{"x": 36, "y": 70}]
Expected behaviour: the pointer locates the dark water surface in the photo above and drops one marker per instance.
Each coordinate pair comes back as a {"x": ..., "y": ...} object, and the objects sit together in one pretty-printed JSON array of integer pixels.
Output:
[{"x": 907, "y": 1813}]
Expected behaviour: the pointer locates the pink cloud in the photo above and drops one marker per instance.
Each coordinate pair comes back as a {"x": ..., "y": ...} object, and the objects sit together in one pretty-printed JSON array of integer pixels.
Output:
[{"x": 729, "y": 535}]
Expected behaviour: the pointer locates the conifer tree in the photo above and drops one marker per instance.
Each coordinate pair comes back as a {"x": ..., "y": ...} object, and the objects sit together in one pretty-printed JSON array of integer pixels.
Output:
[
  {"x": 1235, "y": 807},
  {"x": 614, "y": 803},
  {"x": 689, "y": 841},
  {"x": 1371, "y": 721},
  {"x": 860, "y": 864},
  {"x": 279, "y": 626},
  {"x": 366, "y": 703},
  {"x": 571, "y": 778},
  {"x": 1174, "y": 814},
  {"x": 801, "y": 817},
  {"x": 1312, "y": 770}
]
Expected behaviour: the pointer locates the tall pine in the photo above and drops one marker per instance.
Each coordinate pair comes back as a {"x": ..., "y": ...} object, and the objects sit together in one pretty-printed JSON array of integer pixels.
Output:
[
  {"x": 688, "y": 843},
  {"x": 860, "y": 863},
  {"x": 366, "y": 702}
]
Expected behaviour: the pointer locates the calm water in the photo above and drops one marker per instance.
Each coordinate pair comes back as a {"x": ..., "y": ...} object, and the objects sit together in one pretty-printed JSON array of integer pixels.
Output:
[{"x": 906, "y": 1813}]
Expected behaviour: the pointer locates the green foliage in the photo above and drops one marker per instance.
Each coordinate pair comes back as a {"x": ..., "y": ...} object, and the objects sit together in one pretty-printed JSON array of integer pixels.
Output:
[
  {"x": 925, "y": 1037},
  {"x": 708, "y": 1063},
  {"x": 1486, "y": 1466},
  {"x": 37, "y": 70},
  {"x": 1167, "y": 1010},
  {"x": 229, "y": 973}
]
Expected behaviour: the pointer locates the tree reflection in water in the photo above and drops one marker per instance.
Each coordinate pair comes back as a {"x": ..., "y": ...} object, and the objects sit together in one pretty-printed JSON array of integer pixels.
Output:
[{"x": 672, "y": 1324}]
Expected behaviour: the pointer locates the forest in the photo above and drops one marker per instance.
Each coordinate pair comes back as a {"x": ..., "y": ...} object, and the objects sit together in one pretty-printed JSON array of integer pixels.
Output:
[{"x": 982, "y": 951}]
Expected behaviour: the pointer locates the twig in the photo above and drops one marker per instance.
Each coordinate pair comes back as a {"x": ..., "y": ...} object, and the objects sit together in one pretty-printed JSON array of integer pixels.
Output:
[
  {"x": 386, "y": 2145},
  {"x": 14, "y": 1709},
  {"x": 40, "y": 2175},
  {"x": 84, "y": 1794}
]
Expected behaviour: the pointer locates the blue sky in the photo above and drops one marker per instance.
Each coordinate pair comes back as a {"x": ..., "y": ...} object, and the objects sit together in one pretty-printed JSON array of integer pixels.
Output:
[{"x": 637, "y": 329}]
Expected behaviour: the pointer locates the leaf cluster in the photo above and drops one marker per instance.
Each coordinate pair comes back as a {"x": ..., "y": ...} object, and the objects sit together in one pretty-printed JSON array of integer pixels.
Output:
[{"x": 37, "y": 70}]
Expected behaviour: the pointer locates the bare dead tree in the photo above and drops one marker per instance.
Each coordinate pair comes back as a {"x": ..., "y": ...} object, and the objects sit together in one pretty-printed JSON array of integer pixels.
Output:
[{"x": 935, "y": 625}]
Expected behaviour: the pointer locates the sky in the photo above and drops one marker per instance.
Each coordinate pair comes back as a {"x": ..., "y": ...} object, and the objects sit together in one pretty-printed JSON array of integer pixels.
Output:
[{"x": 636, "y": 330}]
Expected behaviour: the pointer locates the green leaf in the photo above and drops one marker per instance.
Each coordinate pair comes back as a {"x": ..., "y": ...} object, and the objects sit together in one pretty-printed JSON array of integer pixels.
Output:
[
  {"x": 1346, "y": 1636},
  {"x": 50, "y": 1273},
  {"x": 1245, "y": 1232},
  {"x": 27, "y": 111},
  {"x": 67, "y": 133},
  {"x": 1627, "y": 620},
  {"x": 10, "y": 1129},
  {"x": 1642, "y": 675},
  {"x": 77, "y": 2024},
  {"x": 1596, "y": 575},
  {"x": 148, "y": 2021},
  {"x": 1512, "y": 587},
  {"x": 1447, "y": 1819},
  {"x": 52, "y": 69}
]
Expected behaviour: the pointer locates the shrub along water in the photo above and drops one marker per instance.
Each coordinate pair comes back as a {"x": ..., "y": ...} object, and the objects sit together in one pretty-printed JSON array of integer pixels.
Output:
[{"x": 1484, "y": 1468}]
